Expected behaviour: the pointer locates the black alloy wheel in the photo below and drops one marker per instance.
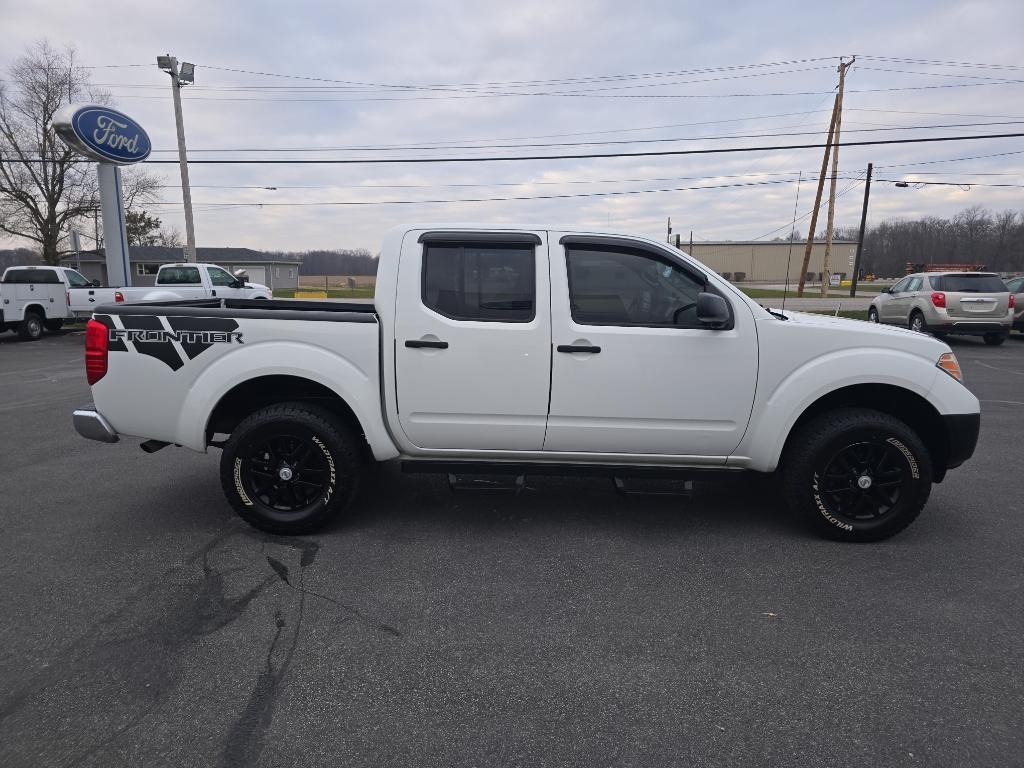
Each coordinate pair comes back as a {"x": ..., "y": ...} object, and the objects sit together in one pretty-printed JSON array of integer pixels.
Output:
[
  {"x": 286, "y": 472},
  {"x": 863, "y": 481}
]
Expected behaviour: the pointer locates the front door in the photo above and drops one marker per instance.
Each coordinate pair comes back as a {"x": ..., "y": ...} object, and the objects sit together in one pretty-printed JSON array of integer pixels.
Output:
[
  {"x": 633, "y": 372},
  {"x": 472, "y": 341}
]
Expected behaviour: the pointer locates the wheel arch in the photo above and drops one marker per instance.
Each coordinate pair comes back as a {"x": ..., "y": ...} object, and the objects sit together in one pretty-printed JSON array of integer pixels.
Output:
[
  {"x": 909, "y": 407},
  {"x": 260, "y": 392}
]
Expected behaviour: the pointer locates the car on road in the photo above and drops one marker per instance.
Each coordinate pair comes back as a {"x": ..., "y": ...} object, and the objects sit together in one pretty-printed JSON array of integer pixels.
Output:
[
  {"x": 941, "y": 303},
  {"x": 38, "y": 297},
  {"x": 1016, "y": 287},
  {"x": 518, "y": 351}
]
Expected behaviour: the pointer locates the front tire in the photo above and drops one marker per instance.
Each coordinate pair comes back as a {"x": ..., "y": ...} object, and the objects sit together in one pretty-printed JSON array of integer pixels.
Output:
[
  {"x": 872, "y": 315},
  {"x": 290, "y": 468},
  {"x": 994, "y": 339},
  {"x": 31, "y": 328},
  {"x": 855, "y": 474}
]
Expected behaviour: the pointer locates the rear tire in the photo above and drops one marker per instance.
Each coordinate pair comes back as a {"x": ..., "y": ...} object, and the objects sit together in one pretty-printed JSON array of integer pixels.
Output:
[
  {"x": 855, "y": 474},
  {"x": 290, "y": 468},
  {"x": 53, "y": 325},
  {"x": 917, "y": 322},
  {"x": 31, "y": 328},
  {"x": 994, "y": 339}
]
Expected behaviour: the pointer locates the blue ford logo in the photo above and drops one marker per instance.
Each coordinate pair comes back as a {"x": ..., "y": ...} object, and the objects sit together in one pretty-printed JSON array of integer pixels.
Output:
[{"x": 102, "y": 133}]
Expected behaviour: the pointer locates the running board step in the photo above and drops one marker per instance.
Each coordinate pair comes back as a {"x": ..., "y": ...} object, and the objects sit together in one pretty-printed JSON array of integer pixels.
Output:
[
  {"x": 686, "y": 491},
  {"x": 460, "y": 484}
]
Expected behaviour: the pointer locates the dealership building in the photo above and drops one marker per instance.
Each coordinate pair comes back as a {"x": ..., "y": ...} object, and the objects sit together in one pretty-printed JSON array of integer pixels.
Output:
[
  {"x": 766, "y": 262},
  {"x": 272, "y": 270}
]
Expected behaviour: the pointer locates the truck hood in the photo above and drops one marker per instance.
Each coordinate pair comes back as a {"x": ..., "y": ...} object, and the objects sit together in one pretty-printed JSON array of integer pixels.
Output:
[{"x": 862, "y": 333}]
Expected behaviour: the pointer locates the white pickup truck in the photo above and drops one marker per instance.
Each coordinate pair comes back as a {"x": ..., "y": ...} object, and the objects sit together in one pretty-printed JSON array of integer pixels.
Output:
[
  {"x": 517, "y": 351},
  {"x": 36, "y": 297}
]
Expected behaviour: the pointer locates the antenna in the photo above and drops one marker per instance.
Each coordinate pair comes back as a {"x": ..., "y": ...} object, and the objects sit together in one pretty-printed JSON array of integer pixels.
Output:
[{"x": 792, "y": 234}]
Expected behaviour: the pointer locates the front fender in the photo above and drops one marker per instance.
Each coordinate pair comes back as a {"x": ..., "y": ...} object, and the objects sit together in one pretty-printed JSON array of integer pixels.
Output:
[
  {"x": 360, "y": 390},
  {"x": 779, "y": 407}
]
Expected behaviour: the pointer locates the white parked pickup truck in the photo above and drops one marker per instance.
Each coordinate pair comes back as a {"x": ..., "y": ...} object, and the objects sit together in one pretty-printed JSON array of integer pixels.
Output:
[
  {"x": 517, "y": 351},
  {"x": 35, "y": 297}
]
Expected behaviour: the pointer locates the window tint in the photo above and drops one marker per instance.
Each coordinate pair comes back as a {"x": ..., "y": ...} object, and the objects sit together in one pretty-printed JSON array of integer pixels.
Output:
[
  {"x": 220, "y": 277},
  {"x": 75, "y": 280},
  {"x": 901, "y": 286},
  {"x": 24, "y": 276},
  {"x": 179, "y": 276},
  {"x": 609, "y": 286},
  {"x": 970, "y": 284},
  {"x": 491, "y": 282}
]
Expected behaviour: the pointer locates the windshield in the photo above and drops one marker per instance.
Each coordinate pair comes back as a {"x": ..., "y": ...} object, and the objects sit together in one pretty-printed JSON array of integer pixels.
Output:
[{"x": 969, "y": 284}]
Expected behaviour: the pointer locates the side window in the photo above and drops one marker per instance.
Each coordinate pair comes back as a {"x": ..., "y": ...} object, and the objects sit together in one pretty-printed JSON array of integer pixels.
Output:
[
  {"x": 490, "y": 282},
  {"x": 901, "y": 286},
  {"x": 179, "y": 276},
  {"x": 915, "y": 285},
  {"x": 75, "y": 280},
  {"x": 220, "y": 277},
  {"x": 613, "y": 286},
  {"x": 1015, "y": 285}
]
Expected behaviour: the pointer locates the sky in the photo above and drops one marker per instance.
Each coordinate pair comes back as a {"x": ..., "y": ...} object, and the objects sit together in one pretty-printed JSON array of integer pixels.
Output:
[{"x": 350, "y": 80}]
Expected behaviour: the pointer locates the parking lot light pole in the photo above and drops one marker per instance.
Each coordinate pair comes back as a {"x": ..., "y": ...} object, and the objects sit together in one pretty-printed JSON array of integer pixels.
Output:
[{"x": 186, "y": 76}]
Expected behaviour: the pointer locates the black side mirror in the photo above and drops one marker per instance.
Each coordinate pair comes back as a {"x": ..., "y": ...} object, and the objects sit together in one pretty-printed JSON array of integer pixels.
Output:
[
  {"x": 94, "y": 283},
  {"x": 712, "y": 310},
  {"x": 239, "y": 283}
]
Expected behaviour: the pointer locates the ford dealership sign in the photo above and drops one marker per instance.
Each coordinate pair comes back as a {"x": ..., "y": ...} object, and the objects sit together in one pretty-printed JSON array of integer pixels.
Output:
[{"x": 102, "y": 133}]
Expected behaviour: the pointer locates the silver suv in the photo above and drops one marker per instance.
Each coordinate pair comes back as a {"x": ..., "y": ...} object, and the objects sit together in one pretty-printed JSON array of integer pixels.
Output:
[
  {"x": 975, "y": 303},
  {"x": 1016, "y": 286}
]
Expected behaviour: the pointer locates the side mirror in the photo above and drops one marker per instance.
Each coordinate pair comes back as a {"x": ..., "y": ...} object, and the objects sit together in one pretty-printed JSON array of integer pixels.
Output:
[
  {"x": 94, "y": 283},
  {"x": 887, "y": 289},
  {"x": 712, "y": 310},
  {"x": 239, "y": 283}
]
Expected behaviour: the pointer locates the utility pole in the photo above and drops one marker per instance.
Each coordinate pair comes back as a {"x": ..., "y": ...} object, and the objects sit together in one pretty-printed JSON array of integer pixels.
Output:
[
  {"x": 691, "y": 242},
  {"x": 826, "y": 276},
  {"x": 817, "y": 200},
  {"x": 668, "y": 233},
  {"x": 186, "y": 76},
  {"x": 860, "y": 239}
]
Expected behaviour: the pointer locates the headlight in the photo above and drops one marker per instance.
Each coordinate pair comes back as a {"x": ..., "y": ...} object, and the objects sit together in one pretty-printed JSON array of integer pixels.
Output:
[{"x": 948, "y": 363}]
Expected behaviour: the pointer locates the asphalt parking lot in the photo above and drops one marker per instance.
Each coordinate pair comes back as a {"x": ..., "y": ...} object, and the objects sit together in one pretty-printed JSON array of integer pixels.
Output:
[{"x": 144, "y": 625}]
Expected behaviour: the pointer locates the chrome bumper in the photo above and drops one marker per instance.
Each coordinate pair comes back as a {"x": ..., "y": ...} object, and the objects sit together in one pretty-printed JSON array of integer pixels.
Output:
[{"x": 93, "y": 426}]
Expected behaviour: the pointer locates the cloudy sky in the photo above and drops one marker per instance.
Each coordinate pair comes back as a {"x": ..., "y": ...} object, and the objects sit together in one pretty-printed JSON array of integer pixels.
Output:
[{"x": 350, "y": 80}]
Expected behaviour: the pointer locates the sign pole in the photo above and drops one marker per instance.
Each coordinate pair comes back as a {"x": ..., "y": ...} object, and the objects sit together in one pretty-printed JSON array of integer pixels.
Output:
[{"x": 115, "y": 237}]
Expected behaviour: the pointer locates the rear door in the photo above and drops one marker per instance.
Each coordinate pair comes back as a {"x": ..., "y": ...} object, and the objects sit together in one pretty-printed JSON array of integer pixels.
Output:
[
  {"x": 633, "y": 371},
  {"x": 473, "y": 340},
  {"x": 975, "y": 296}
]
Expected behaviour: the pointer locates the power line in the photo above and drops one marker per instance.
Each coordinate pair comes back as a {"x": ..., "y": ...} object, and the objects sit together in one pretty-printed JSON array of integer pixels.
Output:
[
  {"x": 371, "y": 148},
  {"x": 953, "y": 159},
  {"x": 592, "y": 155}
]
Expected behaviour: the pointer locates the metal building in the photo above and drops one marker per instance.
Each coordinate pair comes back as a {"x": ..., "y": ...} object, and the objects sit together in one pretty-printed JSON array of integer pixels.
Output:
[{"x": 765, "y": 262}]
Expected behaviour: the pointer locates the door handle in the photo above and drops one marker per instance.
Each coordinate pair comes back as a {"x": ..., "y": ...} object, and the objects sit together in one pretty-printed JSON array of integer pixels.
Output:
[
  {"x": 422, "y": 344},
  {"x": 92, "y": 299},
  {"x": 578, "y": 348}
]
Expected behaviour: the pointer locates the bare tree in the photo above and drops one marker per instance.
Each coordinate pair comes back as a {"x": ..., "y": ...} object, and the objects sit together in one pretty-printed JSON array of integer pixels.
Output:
[
  {"x": 170, "y": 237},
  {"x": 44, "y": 186}
]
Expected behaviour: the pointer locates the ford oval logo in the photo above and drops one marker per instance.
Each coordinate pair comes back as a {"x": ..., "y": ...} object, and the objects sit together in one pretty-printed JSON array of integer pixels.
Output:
[{"x": 102, "y": 133}]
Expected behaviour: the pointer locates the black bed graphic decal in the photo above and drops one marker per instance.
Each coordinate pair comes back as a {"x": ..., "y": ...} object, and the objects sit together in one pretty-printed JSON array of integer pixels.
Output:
[{"x": 148, "y": 336}]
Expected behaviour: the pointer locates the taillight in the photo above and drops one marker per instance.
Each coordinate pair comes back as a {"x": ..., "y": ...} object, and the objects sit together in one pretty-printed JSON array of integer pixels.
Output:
[
  {"x": 1013, "y": 301},
  {"x": 118, "y": 297},
  {"x": 939, "y": 299},
  {"x": 95, "y": 351}
]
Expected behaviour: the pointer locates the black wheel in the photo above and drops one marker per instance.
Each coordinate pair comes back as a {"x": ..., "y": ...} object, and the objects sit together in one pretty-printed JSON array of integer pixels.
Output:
[
  {"x": 872, "y": 315},
  {"x": 917, "y": 322},
  {"x": 994, "y": 339},
  {"x": 290, "y": 468},
  {"x": 856, "y": 474},
  {"x": 53, "y": 325},
  {"x": 31, "y": 328}
]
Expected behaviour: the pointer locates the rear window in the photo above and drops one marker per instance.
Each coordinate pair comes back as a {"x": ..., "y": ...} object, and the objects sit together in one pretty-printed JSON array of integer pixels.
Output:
[
  {"x": 178, "y": 276},
  {"x": 23, "y": 276},
  {"x": 969, "y": 284},
  {"x": 493, "y": 282}
]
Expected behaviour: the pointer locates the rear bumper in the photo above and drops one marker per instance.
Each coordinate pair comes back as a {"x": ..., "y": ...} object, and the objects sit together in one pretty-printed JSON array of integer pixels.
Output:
[
  {"x": 971, "y": 327},
  {"x": 92, "y": 425},
  {"x": 962, "y": 433}
]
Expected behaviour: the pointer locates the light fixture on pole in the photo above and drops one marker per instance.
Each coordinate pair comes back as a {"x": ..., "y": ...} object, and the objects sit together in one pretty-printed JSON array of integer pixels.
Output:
[{"x": 179, "y": 79}]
